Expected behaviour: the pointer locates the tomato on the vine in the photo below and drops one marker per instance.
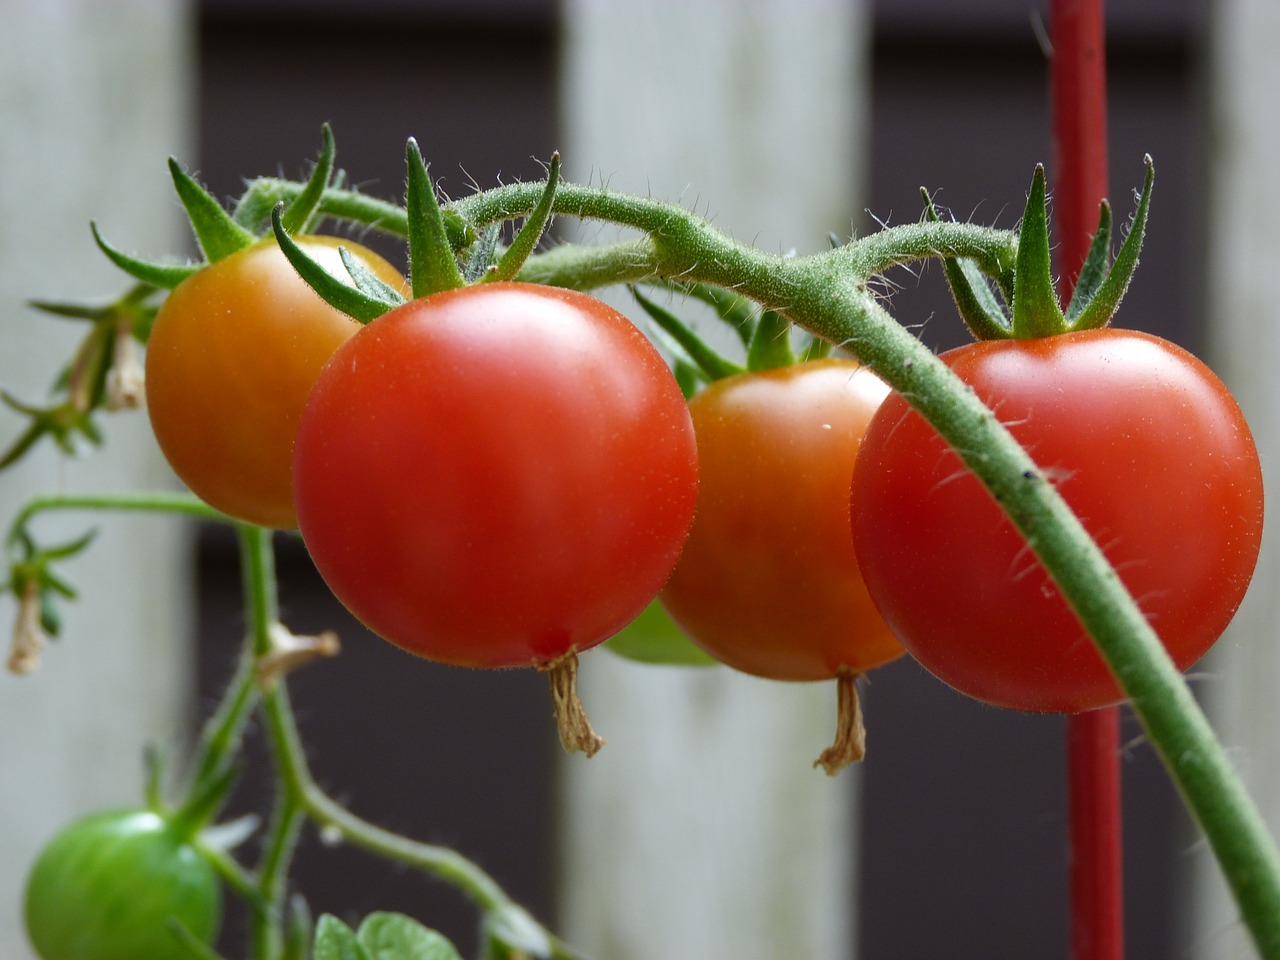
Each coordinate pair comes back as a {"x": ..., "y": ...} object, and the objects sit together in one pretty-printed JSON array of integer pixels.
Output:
[
  {"x": 496, "y": 475},
  {"x": 1144, "y": 443},
  {"x": 233, "y": 353},
  {"x": 768, "y": 582},
  {"x": 108, "y": 886}
]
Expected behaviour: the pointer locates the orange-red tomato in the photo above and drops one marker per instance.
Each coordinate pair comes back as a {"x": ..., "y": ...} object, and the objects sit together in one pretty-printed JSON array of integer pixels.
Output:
[
  {"x": 768, "y": 582},
  {"x": 497, "y": 475},
  {"x": 230, "y": 361},
  {"x": 1146, "y": 445}
]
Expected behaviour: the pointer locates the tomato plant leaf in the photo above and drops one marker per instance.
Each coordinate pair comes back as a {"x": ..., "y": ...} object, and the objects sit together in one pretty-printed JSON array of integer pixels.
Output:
[
  {"x": 771, "y": 343},
  {"x": 393, "y": 936},
  {"x": 1095, "y": 267},
  {"x": 712, "y": 364},
  {"x": 534, "y": 227},
  {"x": 977, "y": 305},
  {"x": 1111, "y": 291},
  {"x": 1035, "y": 304},
  {"x": 216, "y": 230},
  {"x": 432, "y": 266},
  {"x": 163, "y": 275},
  {"x": 300, "y": 212},
  {"x": 341, "y": 296},
  {"x": 336, "y": 941}
]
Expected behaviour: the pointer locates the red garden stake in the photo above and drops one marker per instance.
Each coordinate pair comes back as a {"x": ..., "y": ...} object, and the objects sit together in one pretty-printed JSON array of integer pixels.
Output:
[{"x": 1078, "y": 91}]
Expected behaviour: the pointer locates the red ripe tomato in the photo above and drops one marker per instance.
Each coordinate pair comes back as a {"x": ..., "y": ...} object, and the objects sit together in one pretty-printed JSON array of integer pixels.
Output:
[
  {"x": 768, "y": 582},
  {"x": 496, "y": 475},
  {"x": 233, "y": 353},
  {"x": 106, "y": 887},
  {"x": 1150, "y": 451}
]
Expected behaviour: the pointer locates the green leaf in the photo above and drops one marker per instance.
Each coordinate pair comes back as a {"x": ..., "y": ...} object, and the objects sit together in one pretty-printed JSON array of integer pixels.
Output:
[
  {"x": 336, "y": 941},
  {"x": 301, "y": 211},
  {"x": 216, "y": 230},
  {"x": 341, "y": 296},
  {"x": 653, "y": 637},
  {"x": 977, "y": 305},
  {"x": 393, "y": 936},
  {"x": 432, "y": 266},
  {"x": 1111, "y": 291},
  {"x": 1035, "y": 304},
  {"x": 534, "y": 227},
  {"x": 1096, "y": 264},
  {"x": 771, "y": 343},
  {"x": 163, "y": 275},
  {"x": 712, "y": 364}
]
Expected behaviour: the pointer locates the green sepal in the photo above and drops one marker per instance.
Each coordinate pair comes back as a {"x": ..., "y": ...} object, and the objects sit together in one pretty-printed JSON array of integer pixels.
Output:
[
  {"x": 735, "y": 310},
  {"x": 216, "y": 231},
  {"x": 70, "y": 549},
  {"x": 354, "y": 303},
  {"x": 336, "y": 941},
  {"x": 432, "y": 266},
  {"x": 1035, "y": 303},
  {"x": 531, "y": 232},
  {"x": 815, "y": 348},
  {"x": 155, "y": 765},
  {"x": 50, "y": 618},
  {"x": 653, "y": 637},
  {"x": 163, "y": 275},
  {"x": 1095, "y": 267},
  {"x": 60, "y": 423},
  {"x": 977, "y": 305},
  {"x": 481, "y": 257},
  {"x": 299, "y": 214},
  {"x": 367, "y": 281},
  {"x": 711, "y": 363},
  {"x": 771, "y": 343},
  {"x": 196, "y": 948},
  {"x": 1100, "y": 309},
  {"x": 689, "y": 378},
  {"x": 205, "y": 799},
  {"x": 394, "y": 936},
  {"x": 298, "y": 928}
]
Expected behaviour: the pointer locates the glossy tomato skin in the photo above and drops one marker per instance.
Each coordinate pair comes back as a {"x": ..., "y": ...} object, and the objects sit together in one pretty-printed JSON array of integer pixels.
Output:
[
  {"x": 496, "y": 475},
  {"x": 768, "y": 582},
  {"x": 233, "y": 353},
  {"x": 1151, "y": 452},
  {"x": 106, "y": 886}
]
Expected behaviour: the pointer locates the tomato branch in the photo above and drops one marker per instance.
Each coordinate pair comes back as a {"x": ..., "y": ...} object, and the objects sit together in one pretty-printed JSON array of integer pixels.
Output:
[{"x": 827, "y": 295}]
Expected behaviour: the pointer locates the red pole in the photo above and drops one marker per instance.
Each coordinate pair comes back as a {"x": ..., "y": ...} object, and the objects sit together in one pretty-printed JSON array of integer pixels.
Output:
[{"x": 1078, "y": 92}]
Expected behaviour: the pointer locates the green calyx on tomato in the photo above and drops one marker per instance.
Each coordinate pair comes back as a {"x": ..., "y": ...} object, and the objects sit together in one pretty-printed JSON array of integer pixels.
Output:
[
  {"x": 112, "y": 885},
  {"x": 1030, "y": 305}
]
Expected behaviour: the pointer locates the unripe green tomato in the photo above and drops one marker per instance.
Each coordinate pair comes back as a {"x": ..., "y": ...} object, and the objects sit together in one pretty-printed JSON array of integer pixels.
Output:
[{"x": 106, "y": 886}]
